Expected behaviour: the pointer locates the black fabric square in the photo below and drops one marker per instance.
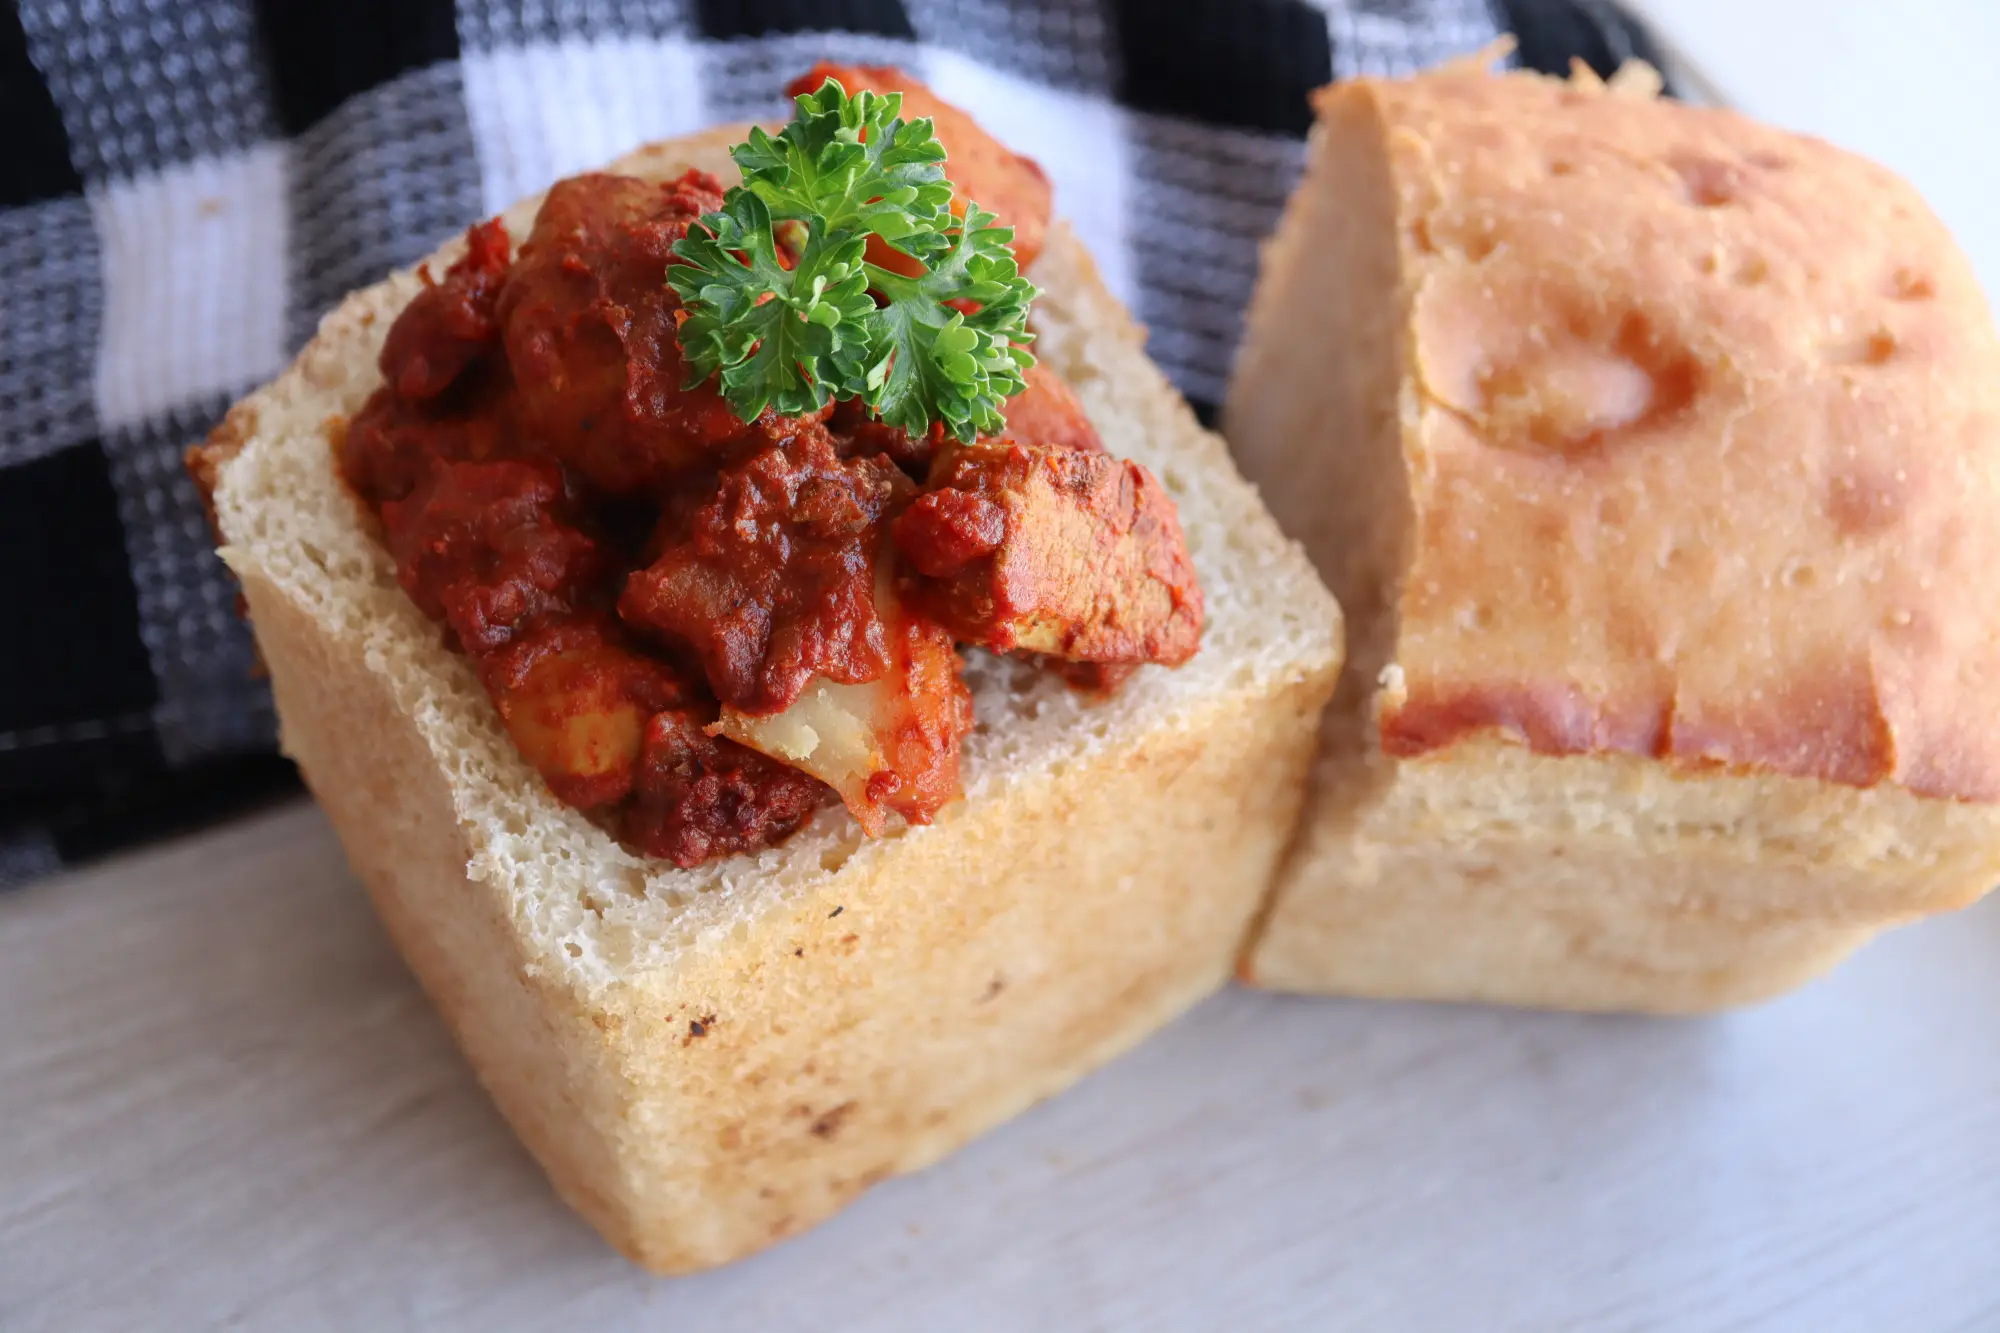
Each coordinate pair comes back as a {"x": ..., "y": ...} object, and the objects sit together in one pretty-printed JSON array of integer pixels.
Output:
[
  {"x": 73, "y": 650},
  {"x": 56, "y": 774},
  {"x": 1549, "y": 33},
  {"x": 140, "y": 806},
  {"x": 36, "y": 164},
  {"x": 1244, "y": 63},
  {"x": 725, "y": 19},
  {"x": 323, "y": 52},
  {"x": 26, "y": 855}
]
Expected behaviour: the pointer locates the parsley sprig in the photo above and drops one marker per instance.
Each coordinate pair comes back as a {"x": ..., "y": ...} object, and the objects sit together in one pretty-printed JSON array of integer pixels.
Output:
[{"x": 821, "y": 322}]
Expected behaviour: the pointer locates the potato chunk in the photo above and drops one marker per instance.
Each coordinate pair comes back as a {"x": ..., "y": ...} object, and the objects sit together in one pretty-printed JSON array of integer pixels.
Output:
[{"x": 576, "y": 702}]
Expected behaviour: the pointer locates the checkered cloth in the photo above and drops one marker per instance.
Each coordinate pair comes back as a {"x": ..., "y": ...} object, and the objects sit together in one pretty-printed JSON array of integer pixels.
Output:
[{"x": 187, "y": 185}]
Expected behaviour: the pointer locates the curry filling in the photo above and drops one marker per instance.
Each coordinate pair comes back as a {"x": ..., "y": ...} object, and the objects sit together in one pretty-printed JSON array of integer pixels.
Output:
[{"x": 700, "y": 628}]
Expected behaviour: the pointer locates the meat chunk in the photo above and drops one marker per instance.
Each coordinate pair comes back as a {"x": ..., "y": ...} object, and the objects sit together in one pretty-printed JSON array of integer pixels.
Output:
[
  {"x": 698, "y": 796},
  {"x": 444, "y": 393},
  {"x": 589, "y": 326},
  {"x": 487, "y": 549},
  {"x": 448, "y": 324},
  {"x": 1011, "y": 187},
  {"x": 1055, "y": 551},
  {"x": 775, "y": 582},
  {"x": 390, "y": 444},
  {"x": 577, "y": 702}
]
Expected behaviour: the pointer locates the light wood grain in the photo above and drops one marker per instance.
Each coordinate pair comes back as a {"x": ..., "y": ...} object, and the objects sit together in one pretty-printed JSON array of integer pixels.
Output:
[{"x": 224, "y": 1104}]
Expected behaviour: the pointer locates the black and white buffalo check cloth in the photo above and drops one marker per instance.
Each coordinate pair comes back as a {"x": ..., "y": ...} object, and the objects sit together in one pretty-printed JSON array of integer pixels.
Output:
[{"x": 186, "y": 185}]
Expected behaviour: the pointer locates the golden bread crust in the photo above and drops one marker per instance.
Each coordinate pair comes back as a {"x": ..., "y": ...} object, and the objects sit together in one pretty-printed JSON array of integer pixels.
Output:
[{"x": 1704, "y": 446}]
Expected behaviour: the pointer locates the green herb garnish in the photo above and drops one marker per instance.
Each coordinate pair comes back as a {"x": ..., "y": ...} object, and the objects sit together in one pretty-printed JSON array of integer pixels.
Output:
[{"x": 833, "y": 325}]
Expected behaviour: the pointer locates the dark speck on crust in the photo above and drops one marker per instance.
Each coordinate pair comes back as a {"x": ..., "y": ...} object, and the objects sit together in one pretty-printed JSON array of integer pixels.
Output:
[
  {"x": 829, "y": 1122},
  {"x": 835, "y": 912}
]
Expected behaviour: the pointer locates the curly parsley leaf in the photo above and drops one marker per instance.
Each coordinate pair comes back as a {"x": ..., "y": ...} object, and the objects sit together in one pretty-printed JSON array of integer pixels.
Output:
[
  {"x": 931, "y": 361},
  {"x": 767, "y": 330},
  {"x": 785, "y": 312},
  {"x": 850, "y": 164}
]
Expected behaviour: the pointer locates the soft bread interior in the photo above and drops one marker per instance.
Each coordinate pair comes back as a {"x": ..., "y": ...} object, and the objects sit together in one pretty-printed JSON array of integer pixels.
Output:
[
  {"x": 1321, "y": 430},
  {"x": 592, "y": 912}
]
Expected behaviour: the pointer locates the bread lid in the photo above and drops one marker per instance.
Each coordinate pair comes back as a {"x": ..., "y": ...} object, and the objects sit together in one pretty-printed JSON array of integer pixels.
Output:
[{"x": 1702, "y": 429}]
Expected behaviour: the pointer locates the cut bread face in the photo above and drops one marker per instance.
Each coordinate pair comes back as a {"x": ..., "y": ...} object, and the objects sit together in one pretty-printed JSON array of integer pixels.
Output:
[
  {"x": 1654, "y": 456},
  {"x": 708, "y": 1060}
]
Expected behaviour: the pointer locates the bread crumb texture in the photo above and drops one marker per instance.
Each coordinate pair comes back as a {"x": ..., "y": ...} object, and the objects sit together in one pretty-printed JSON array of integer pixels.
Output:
[
  {"x": 708, "y": 1060},
  {"x": 1663, "y": 441}
]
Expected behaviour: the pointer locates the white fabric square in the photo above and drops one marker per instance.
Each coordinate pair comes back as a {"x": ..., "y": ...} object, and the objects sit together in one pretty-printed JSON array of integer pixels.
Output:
[
  {"x": 1079, "y": 140},
  {"x": 543, "y": 112},
  {"x": 1395, "y": 39},
  {"x": 194, "y": 282}
]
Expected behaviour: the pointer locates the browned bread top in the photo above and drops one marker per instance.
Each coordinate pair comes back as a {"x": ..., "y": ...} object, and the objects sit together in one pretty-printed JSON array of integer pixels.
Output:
[{"x": 1703, "y": 439}]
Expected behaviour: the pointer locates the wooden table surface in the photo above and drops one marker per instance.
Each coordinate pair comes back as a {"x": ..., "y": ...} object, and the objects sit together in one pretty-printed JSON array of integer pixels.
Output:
[{"x": 225, "y": 1104}]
